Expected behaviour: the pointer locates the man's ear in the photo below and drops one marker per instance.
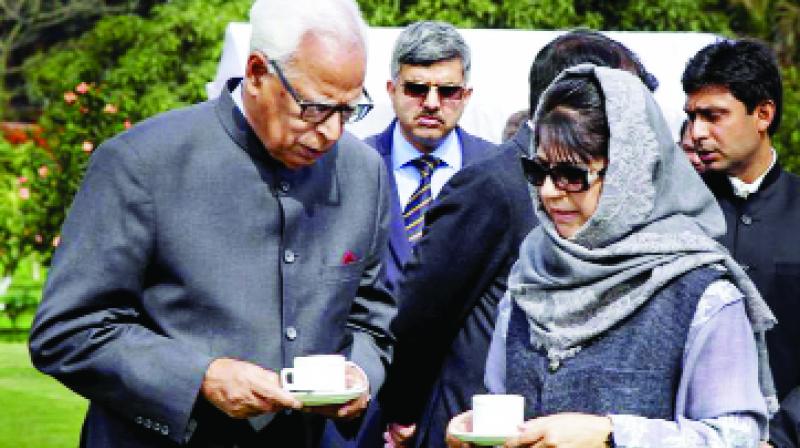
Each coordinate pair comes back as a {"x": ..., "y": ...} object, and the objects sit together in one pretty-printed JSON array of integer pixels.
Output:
[
  {"x": 467, "y": 94},
  {"x": 765, "y": 113},
  {"x": 256, "y": 68},
  {"x": 390, "y": 87}
]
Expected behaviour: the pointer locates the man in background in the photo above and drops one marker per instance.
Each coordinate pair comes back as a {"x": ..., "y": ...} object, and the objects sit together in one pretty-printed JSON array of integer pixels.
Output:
[
  {"x": 686, "y": 143},
  {"x": 734, "y": 103},
  {"x": 424, "y": 146}
]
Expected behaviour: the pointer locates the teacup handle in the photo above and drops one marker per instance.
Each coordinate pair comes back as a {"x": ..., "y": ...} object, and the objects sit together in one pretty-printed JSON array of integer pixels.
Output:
[{"x": 287, "y": 374}]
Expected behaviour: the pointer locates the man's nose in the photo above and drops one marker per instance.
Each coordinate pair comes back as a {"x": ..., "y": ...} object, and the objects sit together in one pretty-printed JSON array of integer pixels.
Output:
[
  {"x": 699, "y": 129},
  {"x": 432, "y": 100}
]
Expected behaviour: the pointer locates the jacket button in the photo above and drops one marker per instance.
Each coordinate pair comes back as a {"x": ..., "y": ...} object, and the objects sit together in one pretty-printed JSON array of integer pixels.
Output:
[
  {"x": 289, "y": 256},
  {"x": 291, "y": 333},
  {"x": 165, "y": 430},
  {"x": 747, "y": 220},
  {"x": 148, "y": 423},
  {"x": 139, "y": 420},
  {"x": 284, "y": 186},
  {"x": 156, "y": 426}
]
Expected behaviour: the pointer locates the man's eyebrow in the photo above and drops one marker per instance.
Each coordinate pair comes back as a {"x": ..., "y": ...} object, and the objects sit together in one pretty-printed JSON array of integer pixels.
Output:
[{"x": 706, "y": 109}]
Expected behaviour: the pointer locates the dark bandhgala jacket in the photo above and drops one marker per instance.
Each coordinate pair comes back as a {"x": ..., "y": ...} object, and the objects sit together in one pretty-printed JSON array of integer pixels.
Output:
[
  {"x": 763, "y": 237},
  {"x": 449, "y": 294},
  {"x": 633, "y": 368},
  {"x": 399, "y": 252},
  {"x": 188, "y": 242}
]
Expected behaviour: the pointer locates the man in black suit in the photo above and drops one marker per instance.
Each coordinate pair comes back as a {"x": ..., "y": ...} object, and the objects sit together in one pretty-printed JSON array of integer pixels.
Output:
[
  {"x": 209, "y": 246},
  {"x": 734, "y": 101},
  {"x": 429, "y": 91},
  {"x": 451, "y": 287}
]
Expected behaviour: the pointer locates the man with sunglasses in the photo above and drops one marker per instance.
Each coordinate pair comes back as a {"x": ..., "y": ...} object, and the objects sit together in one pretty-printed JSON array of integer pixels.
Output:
[
  {"x": 209, "y": 246},
  {"x": 430, "y": 71}
]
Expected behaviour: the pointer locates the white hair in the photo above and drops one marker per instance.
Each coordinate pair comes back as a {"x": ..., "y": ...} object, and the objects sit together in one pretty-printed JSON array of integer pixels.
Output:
[{"x": 278, "y": 25}]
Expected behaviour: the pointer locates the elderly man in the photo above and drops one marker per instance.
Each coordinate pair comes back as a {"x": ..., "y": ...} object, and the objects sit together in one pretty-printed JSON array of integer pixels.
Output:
[
  {"x": 734, "y": 102},
  {"x": 209, "y": 246},
  {"x": 424, "y": 146}
]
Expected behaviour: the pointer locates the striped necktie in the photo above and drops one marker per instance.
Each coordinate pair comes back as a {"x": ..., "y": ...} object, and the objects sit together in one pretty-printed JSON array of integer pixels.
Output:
[{"x": 414, "y": 213}]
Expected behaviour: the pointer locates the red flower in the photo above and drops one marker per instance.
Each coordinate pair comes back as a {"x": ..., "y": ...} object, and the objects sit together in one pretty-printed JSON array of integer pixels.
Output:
[
  {"x": 38, "y": 238},
  {"x": 127, "y": 124},
  {"x": 56, "y": 240},
  {"x": 110, "y": 109},
  {"x": 87, "y": 146},
  {"x": 82, "y": 88},
  {"x": 24, "y": 193},
  {"x": 43, "y": 171},
  {"x": 22, "y": 180},
  {"x": 70, "y": 97}
]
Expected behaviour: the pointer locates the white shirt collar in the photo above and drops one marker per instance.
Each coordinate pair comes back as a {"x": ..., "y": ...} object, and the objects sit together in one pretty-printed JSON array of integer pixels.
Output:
[
  {"x": 743, "y": 189},
  {"x": 448, "y": 151}
]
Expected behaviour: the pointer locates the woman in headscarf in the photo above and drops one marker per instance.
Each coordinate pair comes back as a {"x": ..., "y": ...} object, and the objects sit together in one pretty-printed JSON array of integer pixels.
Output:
[{"x": 625, "y": 323}]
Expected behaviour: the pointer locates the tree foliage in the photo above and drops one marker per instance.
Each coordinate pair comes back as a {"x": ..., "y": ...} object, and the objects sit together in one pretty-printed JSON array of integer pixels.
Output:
[
  {"x": 25, "y": 24},
  {"x": 125, "y": 69}
]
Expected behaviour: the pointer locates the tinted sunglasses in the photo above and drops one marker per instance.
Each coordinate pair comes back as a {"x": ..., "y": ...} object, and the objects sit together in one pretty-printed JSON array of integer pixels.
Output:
[
  {"x": 565, "y": 176},
  {"x": 317, "y": 113},
  {"x": 420, "y": 91}
]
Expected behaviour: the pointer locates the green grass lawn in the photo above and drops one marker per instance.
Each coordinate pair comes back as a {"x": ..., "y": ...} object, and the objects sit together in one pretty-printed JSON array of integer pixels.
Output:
[{"x": 35, "y": 410}]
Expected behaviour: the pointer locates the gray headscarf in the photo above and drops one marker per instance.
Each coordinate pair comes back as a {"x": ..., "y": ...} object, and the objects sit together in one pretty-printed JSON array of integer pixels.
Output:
[{"x": 654, "y": 222}]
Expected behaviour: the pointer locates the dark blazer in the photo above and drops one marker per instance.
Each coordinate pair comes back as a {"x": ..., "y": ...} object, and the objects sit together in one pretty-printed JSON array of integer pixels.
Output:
[
  {"x": 762, "y": 236},
  {"x": 784, "y": 428},
  {"x": 188, "y": 242},
  {"x": 450, "y": 290},
  {"x": 472, "y": 148}
]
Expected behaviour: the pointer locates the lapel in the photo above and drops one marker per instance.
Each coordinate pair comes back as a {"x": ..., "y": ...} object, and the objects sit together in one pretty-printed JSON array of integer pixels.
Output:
[
  {"x": 470, "y": 146},
  {"x": 399, "y": 247}
]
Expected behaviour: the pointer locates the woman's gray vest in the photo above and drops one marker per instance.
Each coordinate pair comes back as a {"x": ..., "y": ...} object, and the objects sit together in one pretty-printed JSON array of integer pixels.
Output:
[{"x": 634, "y": 368}]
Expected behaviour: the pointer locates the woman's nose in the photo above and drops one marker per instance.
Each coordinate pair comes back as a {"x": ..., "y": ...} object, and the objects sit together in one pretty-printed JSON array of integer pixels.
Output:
[{"x": 548, "y": 189}]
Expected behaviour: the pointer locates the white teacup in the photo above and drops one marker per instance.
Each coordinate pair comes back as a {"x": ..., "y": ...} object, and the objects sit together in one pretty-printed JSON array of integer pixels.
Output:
[
  {"x": 497, "y": 414},
  {"x": 315, "y": 373}
]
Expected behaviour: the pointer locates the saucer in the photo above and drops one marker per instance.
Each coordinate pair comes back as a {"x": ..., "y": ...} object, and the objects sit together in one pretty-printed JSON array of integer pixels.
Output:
[
  {"x": 322, "y": 398},
  {"x": 481, "y": 439}
]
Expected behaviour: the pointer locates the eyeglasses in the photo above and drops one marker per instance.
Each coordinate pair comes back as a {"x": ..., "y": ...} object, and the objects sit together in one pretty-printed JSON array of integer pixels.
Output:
[
  {"x": 317, "y": 113},
  {"x": 420, "y": 91},
  {"x": 565, "y": 176}
]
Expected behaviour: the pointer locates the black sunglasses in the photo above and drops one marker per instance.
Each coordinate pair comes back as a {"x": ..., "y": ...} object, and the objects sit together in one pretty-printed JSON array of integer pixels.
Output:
[
  {"x": 420, "y": 91},
  {"x": 317, "y": 113},
  {"x": 565, "y": 176}
]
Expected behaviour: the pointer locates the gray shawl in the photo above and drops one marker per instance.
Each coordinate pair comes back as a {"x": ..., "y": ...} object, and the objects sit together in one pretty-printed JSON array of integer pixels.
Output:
[{"x": 655, "y": 221}]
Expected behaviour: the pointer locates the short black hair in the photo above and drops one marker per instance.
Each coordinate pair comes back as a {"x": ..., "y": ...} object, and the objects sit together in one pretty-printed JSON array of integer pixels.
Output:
[
  {"x": 582, "y": 46},
  {"x": 746, "y": 67},
  {"x": 572, "y": 125}
]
